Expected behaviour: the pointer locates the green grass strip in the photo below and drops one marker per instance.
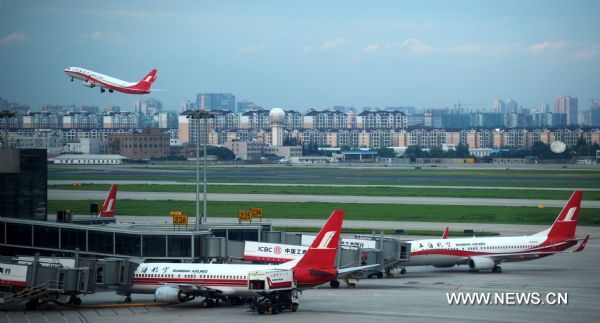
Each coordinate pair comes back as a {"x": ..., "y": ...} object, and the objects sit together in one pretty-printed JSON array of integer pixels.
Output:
[{"x": 354, "y": 191}]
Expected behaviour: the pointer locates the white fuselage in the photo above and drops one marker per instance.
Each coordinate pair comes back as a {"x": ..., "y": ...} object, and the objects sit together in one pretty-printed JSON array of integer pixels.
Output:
[
  {"x": 228, "y": 278},
  {"x": 449, "y": 252},
  {"x": 96, "y": 78}
]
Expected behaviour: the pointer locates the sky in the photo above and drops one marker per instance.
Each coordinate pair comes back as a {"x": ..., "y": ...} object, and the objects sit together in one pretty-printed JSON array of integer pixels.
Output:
[{"x": 305, "y": 54}]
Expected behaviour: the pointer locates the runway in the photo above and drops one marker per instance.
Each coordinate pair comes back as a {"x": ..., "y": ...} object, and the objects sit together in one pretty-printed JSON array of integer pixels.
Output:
[
  {"x": 418, "y": 296},
  {"x": 133, "y": 182},
  {"x": 98, "y": 195}
]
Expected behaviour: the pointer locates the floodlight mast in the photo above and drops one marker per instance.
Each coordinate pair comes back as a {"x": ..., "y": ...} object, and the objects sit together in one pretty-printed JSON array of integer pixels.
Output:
[{"x": 196, "y": 115}]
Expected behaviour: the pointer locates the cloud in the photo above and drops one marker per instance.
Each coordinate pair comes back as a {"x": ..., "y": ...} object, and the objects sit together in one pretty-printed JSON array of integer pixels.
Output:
[
  {"x": 371, "y": 48},
  {"x": 484, "y": 49},
  {"x": 589, "y": 52},
  {"x": 326, "y": 46},
  {"x": 109, "y": 37},
  {"x": 252, "y": 48},
  {"x": 547, "y": 45},
  {"x": 96, "y": 35},
  {"x": 416, "y": 46},
  {"x": 14, "y": 38}
]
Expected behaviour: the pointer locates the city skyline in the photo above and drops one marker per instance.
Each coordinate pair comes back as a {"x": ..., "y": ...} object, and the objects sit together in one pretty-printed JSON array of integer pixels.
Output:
[{"x": 309, "y": 55}]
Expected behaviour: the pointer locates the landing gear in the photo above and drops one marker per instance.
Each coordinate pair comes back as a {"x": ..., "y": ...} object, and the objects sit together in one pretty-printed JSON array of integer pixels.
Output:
[
  {"x": 72, "y": 79},
  {"x": 379, "y": 275},
  {"x": 102, "y": 90},
  {"x": 74, "y": 300},
  {"x": 31, "y": 305},
  {"x": 110, "y": 91},
  {"x": 127, "y": 300},
  {"x": 236, "y": 301},
  {"x": 208, "y": 302},
  {"x": 403, "y": 271},
  {"x": 334, "y": 283},
  {"x": 497, "y": 269}
]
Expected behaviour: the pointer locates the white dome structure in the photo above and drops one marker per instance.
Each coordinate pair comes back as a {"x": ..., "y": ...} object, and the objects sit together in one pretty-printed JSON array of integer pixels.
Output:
[{"x": 277, "y": 115}]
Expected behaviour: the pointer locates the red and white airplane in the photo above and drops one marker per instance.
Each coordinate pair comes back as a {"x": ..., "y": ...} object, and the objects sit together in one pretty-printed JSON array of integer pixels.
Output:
[
  {"x": 489, "y": 253},
  {"x": 109, "y": 208},
  {"x": 172, "y": 282},
  {"x": 92, "y": 79}
]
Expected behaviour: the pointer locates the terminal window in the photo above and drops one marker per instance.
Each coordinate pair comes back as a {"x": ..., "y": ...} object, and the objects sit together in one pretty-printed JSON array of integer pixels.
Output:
[
  {"x": 154, "y": 246},
  {"x": 72, "y": 239},
  {"x": 45, "y": 237}
]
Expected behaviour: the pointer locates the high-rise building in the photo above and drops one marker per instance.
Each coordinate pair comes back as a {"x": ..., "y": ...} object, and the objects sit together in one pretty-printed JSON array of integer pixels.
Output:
[
  {"x": 216, "y": 101},
  {"x": 567, "y": 105},
  {"x": 23, "y": 183},
  {"x": 244, "y": 106},
  {"x": 595, "y": 114},
  {"x": 499, "y": 106},
  {"x": 148, "y": 107},
  {"x": 511, "y": 106}
]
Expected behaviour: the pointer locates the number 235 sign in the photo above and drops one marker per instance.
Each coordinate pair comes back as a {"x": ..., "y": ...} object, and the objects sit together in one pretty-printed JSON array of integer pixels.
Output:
[{"x": 248, "y": 215}]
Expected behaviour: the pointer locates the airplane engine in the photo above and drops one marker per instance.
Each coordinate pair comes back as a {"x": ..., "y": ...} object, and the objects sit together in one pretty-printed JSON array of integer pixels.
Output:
[
  {"x": 481, "y": 263},
  {"x": 172, "y": 295},
  {"x": 87, "y": 83}
]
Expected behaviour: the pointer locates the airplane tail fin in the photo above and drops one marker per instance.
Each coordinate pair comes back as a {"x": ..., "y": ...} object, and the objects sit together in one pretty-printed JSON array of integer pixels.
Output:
[
  {"x": 147, "y": 81},
  {"x": 566, "y": 222},
  {"x": 109, "y": 207},
  {"x": 322, "y": 252},
  {"x": 445, "y": 235}
]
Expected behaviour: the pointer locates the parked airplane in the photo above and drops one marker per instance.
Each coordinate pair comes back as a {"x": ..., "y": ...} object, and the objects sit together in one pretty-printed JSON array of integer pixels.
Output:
[
  {"x": 489, "y": 253},
  {"x": 172, "y": 282},
  {"x": 109, "y": 207},
  {"x": 93, "y": 79}
]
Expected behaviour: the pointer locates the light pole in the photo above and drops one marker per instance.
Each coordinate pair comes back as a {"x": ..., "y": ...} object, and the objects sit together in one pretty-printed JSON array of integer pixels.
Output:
[
  {"x": 197, "y": 115},
  {"x": 6, "y": 115}
]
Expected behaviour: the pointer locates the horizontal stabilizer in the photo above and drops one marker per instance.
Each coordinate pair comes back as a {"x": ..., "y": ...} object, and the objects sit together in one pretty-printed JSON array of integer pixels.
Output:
[{"x": 582, "y": 245}]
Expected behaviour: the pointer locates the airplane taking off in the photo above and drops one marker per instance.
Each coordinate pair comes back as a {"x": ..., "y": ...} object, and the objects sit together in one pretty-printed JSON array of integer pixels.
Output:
[
  {"x": 92, "y": 79},
  {"x": 181, "y": 282},
  {"x": 488, "y": 253},
  {"x": 109, "y": 207}
]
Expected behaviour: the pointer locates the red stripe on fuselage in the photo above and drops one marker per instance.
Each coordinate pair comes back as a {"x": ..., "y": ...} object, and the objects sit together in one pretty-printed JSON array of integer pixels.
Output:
[
  {"x": 17, "y": 283},
  {"x": 465, "y": 253}
]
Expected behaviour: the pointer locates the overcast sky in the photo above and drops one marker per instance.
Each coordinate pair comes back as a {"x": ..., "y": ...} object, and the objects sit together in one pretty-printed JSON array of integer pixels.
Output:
[{"x": 305, "y": 54}]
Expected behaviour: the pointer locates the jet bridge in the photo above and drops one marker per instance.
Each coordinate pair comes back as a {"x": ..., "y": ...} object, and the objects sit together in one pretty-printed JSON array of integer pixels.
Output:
[{"x": 36, "y": 281}]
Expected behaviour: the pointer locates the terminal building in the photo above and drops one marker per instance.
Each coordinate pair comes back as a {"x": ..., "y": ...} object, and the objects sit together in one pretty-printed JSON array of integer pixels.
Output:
[{"x": 26, "y": 229}]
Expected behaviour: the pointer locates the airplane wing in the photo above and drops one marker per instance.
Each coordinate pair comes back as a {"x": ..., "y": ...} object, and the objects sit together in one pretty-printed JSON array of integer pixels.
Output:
[
  {"x": 346, "y": 271},
  {"x": 201, "y": 290}
]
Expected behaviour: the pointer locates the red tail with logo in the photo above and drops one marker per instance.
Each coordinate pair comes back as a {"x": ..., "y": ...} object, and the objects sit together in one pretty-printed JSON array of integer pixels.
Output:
[
  {"x": 109, "y": 207},
  {"x": 566, "y": 223},
  {"x": 147, "y": 81},
  {"x": 321, "y": 254},
  {"x": 317, "y": 266}
]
